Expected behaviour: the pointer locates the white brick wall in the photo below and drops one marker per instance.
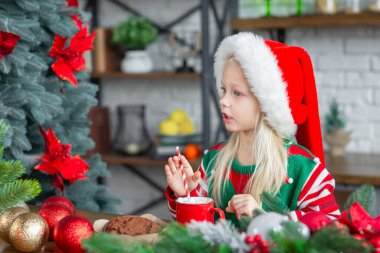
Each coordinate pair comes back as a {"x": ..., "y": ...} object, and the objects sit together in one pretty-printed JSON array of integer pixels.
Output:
[{"x": 346, "y": 62}]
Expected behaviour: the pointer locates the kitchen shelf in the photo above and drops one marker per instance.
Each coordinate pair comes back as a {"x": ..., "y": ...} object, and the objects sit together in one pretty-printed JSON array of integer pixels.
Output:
[{"x": 364, "y": 18}]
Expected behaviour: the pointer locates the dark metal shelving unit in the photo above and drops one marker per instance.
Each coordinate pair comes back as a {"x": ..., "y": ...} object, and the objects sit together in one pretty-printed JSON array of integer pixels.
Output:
[{"x": 208, "y": 89}]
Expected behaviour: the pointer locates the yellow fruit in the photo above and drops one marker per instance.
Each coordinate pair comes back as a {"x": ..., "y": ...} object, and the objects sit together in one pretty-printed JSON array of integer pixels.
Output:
[
  {"x": 186, "y": 127},
  {"x": 178, "y": 115},
  {"x": 169, "y": 127}
]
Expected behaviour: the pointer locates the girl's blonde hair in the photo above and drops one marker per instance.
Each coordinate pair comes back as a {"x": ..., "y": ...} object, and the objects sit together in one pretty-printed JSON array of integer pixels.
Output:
[{"x": 270, "y": 159}]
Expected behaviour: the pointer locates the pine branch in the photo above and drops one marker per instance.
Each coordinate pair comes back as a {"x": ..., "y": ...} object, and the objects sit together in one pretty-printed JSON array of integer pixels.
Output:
[
  {"x": 366, "y": 196},
  {"x": 331, "y": 239},
  {"x": 273, "y": 203},
  {"x": 10, "y": 171},
  {"x": 17, "y": 191},
  {"x": 107, "y": 243},
  {"x": 221, "y": 233},
  {"x": 177, "y": 238}
]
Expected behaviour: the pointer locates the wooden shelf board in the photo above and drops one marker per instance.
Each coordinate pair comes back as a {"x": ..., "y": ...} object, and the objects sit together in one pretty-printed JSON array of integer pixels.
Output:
[
  {"x": 143, "y": 160},
  {"x": 115, "y": 74},
  {"x": 365, "y": 18}
]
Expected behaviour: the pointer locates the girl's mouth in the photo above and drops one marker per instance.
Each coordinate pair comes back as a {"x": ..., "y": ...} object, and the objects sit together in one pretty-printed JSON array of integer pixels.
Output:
[{"x": 226, "y": 117}]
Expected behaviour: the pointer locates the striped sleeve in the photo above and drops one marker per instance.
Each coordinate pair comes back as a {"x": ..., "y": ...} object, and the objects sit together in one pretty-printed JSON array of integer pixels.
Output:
[
  {"x": 200, "y": 191},
  {"x": 317, "y": 194}
]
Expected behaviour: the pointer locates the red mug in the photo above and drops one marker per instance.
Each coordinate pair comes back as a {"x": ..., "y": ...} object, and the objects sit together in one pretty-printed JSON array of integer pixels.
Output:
[{"x": 198, "y": 209}]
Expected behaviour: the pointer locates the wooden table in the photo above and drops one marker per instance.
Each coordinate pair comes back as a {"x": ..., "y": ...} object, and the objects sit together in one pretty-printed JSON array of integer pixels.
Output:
[
  {"x": 355, "y": 169},
  {"x": 50, "y": 246},
  {"x": 352, "y": 171}
]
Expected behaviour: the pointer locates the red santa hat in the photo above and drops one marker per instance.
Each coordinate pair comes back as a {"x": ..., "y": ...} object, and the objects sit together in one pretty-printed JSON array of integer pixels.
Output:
[{"x": 282, "y": 79}]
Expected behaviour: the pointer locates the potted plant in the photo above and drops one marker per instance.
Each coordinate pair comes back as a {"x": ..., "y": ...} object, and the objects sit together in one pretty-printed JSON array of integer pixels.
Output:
[
  {"x": 336, "y": 134},
  {"x": 135, "y": 34}
]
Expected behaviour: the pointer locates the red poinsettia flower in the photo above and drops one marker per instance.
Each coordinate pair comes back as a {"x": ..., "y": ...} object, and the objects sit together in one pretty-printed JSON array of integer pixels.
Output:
[
  {"x": 77, "y": 21},
  {"x": 8, "y": 42},
  {"x": 360, "y": 222},
  {"x": 72, "y": 3},
  {"x": 70, "y": 59},
  {"x": 76, "y": 18},
  {"x": 58, "y": 162}
]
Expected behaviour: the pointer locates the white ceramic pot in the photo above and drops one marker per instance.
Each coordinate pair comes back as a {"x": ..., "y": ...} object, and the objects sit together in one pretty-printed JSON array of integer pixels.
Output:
[{"x": 136, "y": 61}]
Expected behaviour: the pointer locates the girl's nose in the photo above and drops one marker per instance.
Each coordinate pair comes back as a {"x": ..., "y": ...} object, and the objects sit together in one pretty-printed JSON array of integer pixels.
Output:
[{"x": 224, "y": 102}]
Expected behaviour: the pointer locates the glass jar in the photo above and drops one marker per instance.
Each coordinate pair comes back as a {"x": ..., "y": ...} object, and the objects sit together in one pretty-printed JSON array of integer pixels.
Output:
[
  {"x": 132, "y": 136},
  {"x": 254, "y": 8},
  {"x": 283, "y": 8}
]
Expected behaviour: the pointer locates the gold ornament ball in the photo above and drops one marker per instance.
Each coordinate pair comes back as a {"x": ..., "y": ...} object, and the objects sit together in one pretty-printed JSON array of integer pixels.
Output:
[
  {"x": 28, "y": 232},
  {"x": 6, "y": 219},
  {"x": 23, "y": 205}
]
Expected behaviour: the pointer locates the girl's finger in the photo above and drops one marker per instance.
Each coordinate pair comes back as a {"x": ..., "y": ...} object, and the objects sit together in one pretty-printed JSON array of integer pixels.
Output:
[
  {"x": 168, "y": 173},
  {"x": 185, "y": 162},
  {"x": 176, "y": 161},
  {"x": 197, "y": 176},
  {"x": 239, "y": 198},
  {"x": 230, "y": 209},
  {"x": 188, "y": 171},
  {"x": 240, "y": 205},
  {"x": 172, "y": 166}
]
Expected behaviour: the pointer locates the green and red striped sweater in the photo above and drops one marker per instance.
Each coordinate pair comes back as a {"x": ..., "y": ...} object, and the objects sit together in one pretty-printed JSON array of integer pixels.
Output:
[{"x": 309, "y": 187}]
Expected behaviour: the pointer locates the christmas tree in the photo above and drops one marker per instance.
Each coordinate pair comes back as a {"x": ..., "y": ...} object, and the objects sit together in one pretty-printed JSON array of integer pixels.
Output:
[
  {"x": 43, "y": 83},
  {"x": 13, "y": 190}
]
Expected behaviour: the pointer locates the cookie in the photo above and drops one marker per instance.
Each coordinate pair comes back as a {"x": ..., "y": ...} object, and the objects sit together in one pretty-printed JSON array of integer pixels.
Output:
[{"x": 131, "y": 225}]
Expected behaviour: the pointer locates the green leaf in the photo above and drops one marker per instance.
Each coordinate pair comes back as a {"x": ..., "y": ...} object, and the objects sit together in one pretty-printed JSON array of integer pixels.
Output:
[
  {"x": 366, "y": 196},
  {"x": 18, "y": 191}
]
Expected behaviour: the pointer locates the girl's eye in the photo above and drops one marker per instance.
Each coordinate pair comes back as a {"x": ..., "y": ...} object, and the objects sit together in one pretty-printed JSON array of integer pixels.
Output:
[
  {"x": 223, "y": 90},
  {"x": 237, "y": 93}
]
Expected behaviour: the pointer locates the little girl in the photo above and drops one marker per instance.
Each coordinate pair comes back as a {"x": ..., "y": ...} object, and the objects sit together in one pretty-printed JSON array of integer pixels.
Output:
[{"x": 266, "y": 89}]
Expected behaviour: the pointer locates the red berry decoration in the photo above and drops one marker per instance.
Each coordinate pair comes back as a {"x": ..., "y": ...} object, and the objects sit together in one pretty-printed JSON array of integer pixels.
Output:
[
  {"x": 52, "y": 214},
  {"x": 315, "y": 220},
  {"x": 257, "y": 243},
  {"x": 70, "y": 231},
  {"x": 61, "y": 200}
]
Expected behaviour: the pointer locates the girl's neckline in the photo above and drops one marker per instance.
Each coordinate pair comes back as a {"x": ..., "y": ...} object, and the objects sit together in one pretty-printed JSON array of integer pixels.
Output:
[
  {"x": 247, "y": 169},
  {"x": 242, "y": 169}
]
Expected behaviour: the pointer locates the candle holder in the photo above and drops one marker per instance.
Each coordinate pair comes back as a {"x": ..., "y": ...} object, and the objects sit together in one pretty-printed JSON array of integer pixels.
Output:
[{"x": 132, "y": 136}]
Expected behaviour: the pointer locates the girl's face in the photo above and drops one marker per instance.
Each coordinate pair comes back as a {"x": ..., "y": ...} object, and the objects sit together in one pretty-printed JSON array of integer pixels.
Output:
[{"x": 240, "y": 108}]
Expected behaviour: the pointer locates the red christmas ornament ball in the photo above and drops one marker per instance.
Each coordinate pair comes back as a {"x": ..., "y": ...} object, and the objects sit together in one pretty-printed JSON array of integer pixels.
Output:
[
  {"x": 70, "y": 231},
  {"x": 61, "y": 200},
  {"x": 315, "y": 220},
  {"x": 52, "y": 214}
]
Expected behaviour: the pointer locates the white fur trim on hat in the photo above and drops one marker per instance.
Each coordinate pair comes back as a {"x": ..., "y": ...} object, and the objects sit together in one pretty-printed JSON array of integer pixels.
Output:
[{"x": 264, "y": 77}]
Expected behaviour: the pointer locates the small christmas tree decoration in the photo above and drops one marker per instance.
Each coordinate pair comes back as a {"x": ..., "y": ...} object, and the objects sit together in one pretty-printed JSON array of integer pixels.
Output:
[
  {"x": 265, "y": 223},
  {"x": 70, "y": 231},
  {"x": 365, "y": 195},
  {"x": 6, "y": 219},
  {"x": 59, "y": 200},
  {"x": 28, "y": 232},
  {"x": 8, "y": 42},
  {"x": 336, "y": 135},
  {"x": 52, "y": 214},
  {"x": 57, "y": 161}
]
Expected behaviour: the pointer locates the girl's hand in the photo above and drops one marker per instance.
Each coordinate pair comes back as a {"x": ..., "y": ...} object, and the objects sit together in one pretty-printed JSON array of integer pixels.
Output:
[
  {"x": 242, "y": 204},
  {"x": 174, "y": 175}
]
